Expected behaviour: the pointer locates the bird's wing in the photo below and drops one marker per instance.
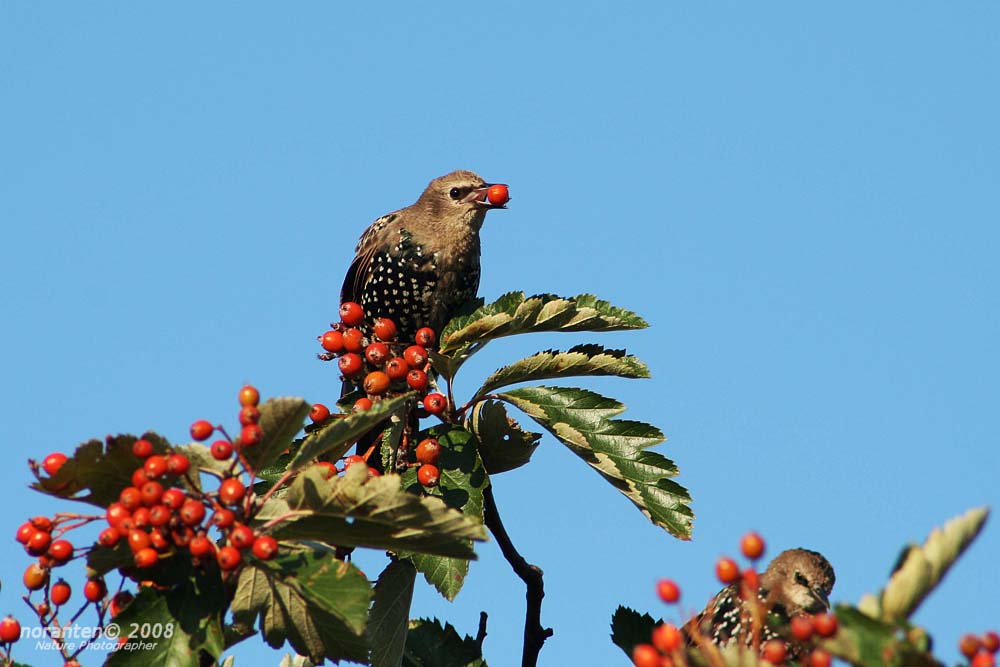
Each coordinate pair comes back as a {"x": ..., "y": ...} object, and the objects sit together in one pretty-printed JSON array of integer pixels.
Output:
[{"x": 360, "y": 270}]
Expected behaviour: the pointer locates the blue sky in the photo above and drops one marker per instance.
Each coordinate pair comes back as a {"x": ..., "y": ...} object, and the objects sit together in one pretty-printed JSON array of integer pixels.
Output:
[{"x": 801, "y": 200}]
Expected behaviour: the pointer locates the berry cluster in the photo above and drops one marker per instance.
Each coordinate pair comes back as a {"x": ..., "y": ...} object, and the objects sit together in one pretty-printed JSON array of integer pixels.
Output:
[
  {"x": 668, "y": 641},
  {"x": 980, "y": 651},
  {"x": 370, "y": 357}
]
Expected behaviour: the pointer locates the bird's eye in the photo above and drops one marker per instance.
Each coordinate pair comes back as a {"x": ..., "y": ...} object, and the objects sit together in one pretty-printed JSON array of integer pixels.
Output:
[
  {"x": 799, "y": 579},
  {"x": 455, "y": 193}
]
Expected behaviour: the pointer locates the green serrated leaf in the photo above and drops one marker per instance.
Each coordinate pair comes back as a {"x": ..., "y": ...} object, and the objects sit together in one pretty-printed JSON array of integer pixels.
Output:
[
  {"x": 428, "y": 644},
  {"x": 337, "y": 437},
  {"x": 202, "y": 460},
  {"x": 190, "y": 614},
  {"x": 353, "y": 510},
  {"x": 581, "y": 420},
  {"x": 629, "y": 627},
  {"x": 862, "y": 640},
  {"x": 514, "y": 314},
  {"x": 580, "y": 360},
  {"x": 280, "y": 420},
  {"x": 461, "y": 485},
  {"x": 922, "y": 567},
  {"x": 308, "y": 598},
  {"x": 97, "y": 471},
  {"x": 503, "y": 444},
  {"x": 390, "y": 614}
]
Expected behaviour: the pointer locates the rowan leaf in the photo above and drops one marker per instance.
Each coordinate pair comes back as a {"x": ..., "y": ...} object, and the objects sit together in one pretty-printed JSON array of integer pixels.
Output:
[
  {"x": 307, "y": 597},
  {"x": 390, "y": 615},
  {"x": 354, "y": 510},
  {"x": 280, "y": 420},
  {"x": 513, "y": 313},
  {"x": 629, "y": 627},
  {"x": 617, "y": 449},
  {"x": 429, "y": 644},
  {"x": 503, "y": 444}
]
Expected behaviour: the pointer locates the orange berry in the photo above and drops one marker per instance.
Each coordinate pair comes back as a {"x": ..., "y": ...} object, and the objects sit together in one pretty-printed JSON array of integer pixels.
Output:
[
  {"x": 667, "y": 637},
  {"x": 53, "y": 462},
  {"x": 332, "y": 341},
  {"x": 990, "y": 641},
  {"x": 384, "y": 328},
  {"x": 376, "y": 383},
  {"x": 826, "y": 624},
  {"x": 362, "y": 404},
  {"x": 428, "y": 451},
  {"x": 820, "y": 658},
  {"x": 319, "y": 413},
  {"x": 984, "y": 659},
  {"x": 752, "y": 545},
  {"x": 727, "y": 570},
  {"x": 498, "y": 194},
  {"x": 351, "y": 314},
  {"x": 249, "y": 396},
  {"x": 645, "y": 655},
  {"x": 201, "y": 430},
  {"x": 425, "y": 337},
  {"x": 774, "y": 651},
  {"x": 251, "y": 435},
  {"x": 428, "y": 474},
  {"x": 969, "y": 645},
  {"x": 802, "y": 627},
  {"x": 668, "y": 590},
  {"x": 229, "y": 558}
]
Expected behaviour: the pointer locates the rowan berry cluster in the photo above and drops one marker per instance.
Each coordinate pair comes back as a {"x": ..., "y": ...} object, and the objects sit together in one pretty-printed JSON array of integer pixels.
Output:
[
  {"x": 370, "y": 357},
  {"x": 667, "y": 644},
  {"x": 980, "y": 651}
]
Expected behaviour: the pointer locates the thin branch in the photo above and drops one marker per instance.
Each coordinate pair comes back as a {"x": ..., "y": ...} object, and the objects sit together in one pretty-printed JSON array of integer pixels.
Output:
[{"x": 534, "y": 634}]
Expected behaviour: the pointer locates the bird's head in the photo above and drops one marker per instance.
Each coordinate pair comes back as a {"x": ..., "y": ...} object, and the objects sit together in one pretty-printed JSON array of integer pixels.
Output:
[
  {"x": 461, "y": 196},
  {"x": 800, "y": 581}
]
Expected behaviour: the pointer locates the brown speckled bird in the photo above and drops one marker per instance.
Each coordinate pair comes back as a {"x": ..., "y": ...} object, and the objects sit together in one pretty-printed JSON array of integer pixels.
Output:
[
  {"x": 796, "y": 581},
  {"x": 419, "y": 264}
]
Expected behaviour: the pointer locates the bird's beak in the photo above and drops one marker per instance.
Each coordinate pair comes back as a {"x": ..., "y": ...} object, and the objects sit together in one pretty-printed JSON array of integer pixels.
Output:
[
  {"x": 478, "y": 197},
  {"x": 822, "y": 601}
]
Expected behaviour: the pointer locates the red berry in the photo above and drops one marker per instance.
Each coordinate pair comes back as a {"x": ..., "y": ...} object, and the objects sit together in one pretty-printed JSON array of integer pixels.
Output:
[
  {"x": 182, "y": 536},
  {"x": 377, "y": 353},
  {"x": 173, "y": 498},
  {"x": 329, "y": 470},
  {"x": 354, "y": 341},
  {"x": 155, "y": 466},
  {"x": 140, "y": 517},
  {"x": 109, "y": 537},
  {"x": 265, "y": 547},
  {"x": 159, "y": 515},
  {"x": 202, "y": 430},
  {"x": 42, "y": 523},
  {"x": 969, "y": 645},
  {"x": 138, "y": 540},
  {"x": 752, "y": 545},
  {"x": 645, "y": 655},
  {"x": 39, "y": 543},
  {"x": 25, "y": 532},
  {"x": 250, "y": 414},
  {"x": 362, "y": 405},
  {"x": 425, "y": 337},
  {"x": 990, "y": 641},
  {"x": 435, "y": 404},
  {"x": 417, "y": 380},
  {"x": 397, "y": 368},
  {"x": 151, "y": 493},
  {"x": 352, "y": 459},
  {"x": 249, "y": 396},
  {"x": 223, "y": 518},
  {"x": 376, "y": 383},
  {"x": 667, "y": 637},
  {"x": 95, "y": 590},
  {"x": 319, "y": 413},
  {"x": 384, "y": 329},
  {"x": 350, "y": 364},
  {"x": 53, "y": 462},
  {"x": 229, "y": 558},
  {"x": 983, "y": 659},
  {"x": 415, "y": 356},
  {"x": 231, "y": 491},
  {"x": 251, "y": 434},
  {"x": 116, "y": 513},
  {"x": 429, "y": 450},
  {"x": 428, "y": 474},
  {"x": 200, "y": 546},
  {"x": 192, "y": 512},
  {"x": 10, "y": 630},
  {"x": 351, "y": 314},
  {"x": 178, "y": 464},
  {"x": 119, "y": 602},
  {"x": 139, "y": 477},
  {"x": 146, "y": 557},
  {"x": 825, "y": 624},
  {"x": 60, "y": 592},
  {"x": 61, "y": 551},
  {"x": 142, "y": 448},
  {"x": 241, "y": 536},
  {"x": 158, "y": 540},
  {"x": 498, "y": 194},
  {"x": 35, "y": 577},
  {"x": 221, "y": 450},
  {"x": 130, "y": 498},
  {"x": 727, "y": 570},
  {"x": 749, "y": 583},
  {"x": 332, "y": 341},
  {"x": 774, "y": 651},
  {"x": 802, "y": 627},
  {"x": 668, "y": 590},
  {"x": 820, "y": 658}
]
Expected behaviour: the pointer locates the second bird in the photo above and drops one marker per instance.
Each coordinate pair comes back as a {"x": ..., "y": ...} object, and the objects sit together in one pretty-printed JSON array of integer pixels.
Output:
[{"x": 420, "y": 264}]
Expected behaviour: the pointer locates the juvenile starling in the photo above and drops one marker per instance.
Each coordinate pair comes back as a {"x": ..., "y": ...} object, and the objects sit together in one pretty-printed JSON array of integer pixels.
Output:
[
  {"x": 796, "y": 581},
  {"x": 419, "y": 264}
]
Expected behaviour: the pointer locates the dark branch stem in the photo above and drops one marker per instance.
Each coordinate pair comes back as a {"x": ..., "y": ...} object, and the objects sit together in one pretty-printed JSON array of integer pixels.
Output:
[{"x": 534, "y": 634}]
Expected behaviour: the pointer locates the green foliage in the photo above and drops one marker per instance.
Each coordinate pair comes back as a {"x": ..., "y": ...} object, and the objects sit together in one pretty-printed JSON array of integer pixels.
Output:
[
  {"x": 629, "y": 627},
  {"x": 390, "y": 614},
  {"x": 429, "y": 644},
  {"x": 280, "y": 419},
  {"x": 503, "y": 444}
]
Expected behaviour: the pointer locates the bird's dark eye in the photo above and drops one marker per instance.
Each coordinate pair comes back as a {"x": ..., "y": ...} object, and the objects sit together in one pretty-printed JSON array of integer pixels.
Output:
[
  {"x": 799, "y": 579},
  {"x": 455, "y": 193}
]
